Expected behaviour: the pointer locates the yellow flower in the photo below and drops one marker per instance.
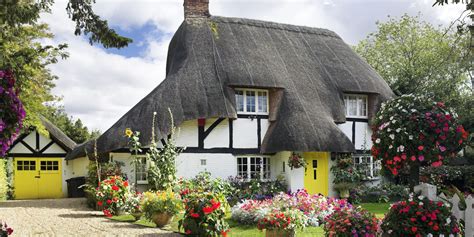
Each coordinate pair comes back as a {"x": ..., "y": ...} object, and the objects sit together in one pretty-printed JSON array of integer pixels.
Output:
[{"x": 128, "y": 132}]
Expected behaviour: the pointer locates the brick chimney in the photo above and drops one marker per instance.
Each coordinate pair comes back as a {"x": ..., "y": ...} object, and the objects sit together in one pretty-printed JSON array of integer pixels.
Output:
[{"x": 196, "y": 9}]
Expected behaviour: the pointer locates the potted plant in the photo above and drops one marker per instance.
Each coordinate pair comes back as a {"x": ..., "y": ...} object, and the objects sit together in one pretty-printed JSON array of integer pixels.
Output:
[
  {"x": 111, "y": 195},
  {"x": 161, "y": 206},
  {"x": 345, "y": 176},
  {"x": 296, "y": 161},
  {"x": 5, "y": 230},
  {"x": 204, "y": 214},
  {"x": 282, "y": 224},
  {"x": 133, "y": 205}
]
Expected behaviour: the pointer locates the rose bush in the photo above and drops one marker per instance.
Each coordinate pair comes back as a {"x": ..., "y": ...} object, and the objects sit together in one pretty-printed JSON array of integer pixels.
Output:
[
  {"x": 419, "y": 216},
  {"x": 204, "y": 214},
  {"x": 410, "y": 130},
  {"x": 12, "y": 112},
  {"x": 351, "y": 222},
  {"x": 111, "y": 195}
]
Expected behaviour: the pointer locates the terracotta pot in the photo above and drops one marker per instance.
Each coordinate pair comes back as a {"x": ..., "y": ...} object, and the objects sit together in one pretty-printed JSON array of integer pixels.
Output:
[
  {"x": 137, "y": 215},
  {"x": 161, "y": 219},
  {"x": 280, "y": 233}
]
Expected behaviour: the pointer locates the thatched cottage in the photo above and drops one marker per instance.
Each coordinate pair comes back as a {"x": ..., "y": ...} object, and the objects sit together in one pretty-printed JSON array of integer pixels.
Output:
[{"x": 245, "y": 94}]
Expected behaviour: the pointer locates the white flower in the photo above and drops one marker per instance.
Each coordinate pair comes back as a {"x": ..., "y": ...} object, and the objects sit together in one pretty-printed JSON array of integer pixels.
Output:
[
  {"x": 390, "y": 147},
  {"x": 389, "y": 231},
  {"x": 401, "y": 148},
  {"x": 410, "y": 137},
  {"x": 398, "y": 130},
  {"x": 389, "y": 130},
  {"x": 421, "y": 197},
  {"x": 448, "y": 220},
  {"x": 377, "y": 140},
  {"x": 391, "y": 118},
  {"x": 413, "y": 110},
  {"x": 380, "y": 117},
  {"x": 394, "y": 121},
  {"x": 420, "y": 203},
  {"x": 392, "y": 136}
]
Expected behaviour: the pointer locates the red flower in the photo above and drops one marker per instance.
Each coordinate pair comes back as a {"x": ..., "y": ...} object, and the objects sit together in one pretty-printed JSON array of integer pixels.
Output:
[
  {"x": 420, "y": 148},
  {"x": 109, "y": 201},
  {"x": 194, "y": 215},
  {"x": 125, "y": 183},
  {"x": 99, "y": 203},
  {"x": 207, "y": 210},
  {"x": 413, "y": 219},
  {"x": 414, "y": 229},
  {"x": 107, "y": 213},
  {"x": 435, "y": 228},
  {"x": 115, "y": 188},
  {"x": 215, "y": 204},
  {"x": 188, "y": 232}
]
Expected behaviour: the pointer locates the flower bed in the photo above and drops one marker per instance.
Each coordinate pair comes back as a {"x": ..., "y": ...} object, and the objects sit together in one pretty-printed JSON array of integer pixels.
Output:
[
  {"x": 350, "y": 222},
  {"x": 111, "y": 195},
  {"x": 314, "y": 207}
]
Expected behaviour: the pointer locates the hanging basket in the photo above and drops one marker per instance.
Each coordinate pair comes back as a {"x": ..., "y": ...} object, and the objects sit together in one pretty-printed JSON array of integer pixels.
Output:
[
  {"x": 161, "y": 219},
  {"x": 296, "y": 161},
  {"x": 280, "y": 233}
]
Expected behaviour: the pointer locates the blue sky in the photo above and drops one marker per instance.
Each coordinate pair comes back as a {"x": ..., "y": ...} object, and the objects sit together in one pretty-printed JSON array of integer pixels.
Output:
[{"x": 100, "y": 85}]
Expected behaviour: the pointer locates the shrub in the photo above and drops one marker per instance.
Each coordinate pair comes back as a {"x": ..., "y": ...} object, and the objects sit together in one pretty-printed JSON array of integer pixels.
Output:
[
  {"x": 3, "y": 179},
  {"x": 287, "y": 220},
  {"x": 204, "y": 214},
  {"x": 419, "y": 217},
  {"x": 444, "y": 177},
  {"x": 250, "y": 211},
  {"x": 111, "y": 194},
  {"x": 203, "y": 182},
  {"x": 161, "y": 202},
  {"x": 133, "y": 202},
  {"x": 346, "y": 176},
  {"x": 384, "y": 192},
  {"x": 4, "y": 229},
  {"x": 107, "y": 169},
  {"x": 351, "y": 222},
  {"x": 12, "y": 111},
  {"x": 255, "y": 189}
]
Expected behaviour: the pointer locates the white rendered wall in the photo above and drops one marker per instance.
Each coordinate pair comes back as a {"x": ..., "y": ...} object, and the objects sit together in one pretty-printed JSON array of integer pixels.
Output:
[
  {"x": 187, "y": 134},
  {"x": 245, "y": 133},
  {"x": 220, "y": 165},
  {"x": 219, "y": 137}
]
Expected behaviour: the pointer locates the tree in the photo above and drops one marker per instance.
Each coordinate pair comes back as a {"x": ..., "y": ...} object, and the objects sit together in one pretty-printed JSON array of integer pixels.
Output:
[
  {"x": 415, "y": 57},
  {"x": 74, "y": 129}
]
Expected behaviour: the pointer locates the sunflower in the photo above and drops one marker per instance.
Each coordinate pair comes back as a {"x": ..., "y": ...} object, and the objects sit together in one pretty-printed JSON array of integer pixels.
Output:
[{"x": 128, "y": 132}]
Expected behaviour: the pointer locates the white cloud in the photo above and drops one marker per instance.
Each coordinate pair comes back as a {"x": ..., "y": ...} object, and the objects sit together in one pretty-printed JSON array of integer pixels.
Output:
[{"x": 99, "y": 87}]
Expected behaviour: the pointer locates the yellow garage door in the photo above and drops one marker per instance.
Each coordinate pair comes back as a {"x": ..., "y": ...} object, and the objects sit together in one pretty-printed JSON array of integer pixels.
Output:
[
  {"x": 316, "y": 178},
  {"x": 37, "y": 178}
]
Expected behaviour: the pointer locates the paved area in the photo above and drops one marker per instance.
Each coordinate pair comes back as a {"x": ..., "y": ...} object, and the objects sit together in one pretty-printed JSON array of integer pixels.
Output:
[{"x": 66, "y": 217}]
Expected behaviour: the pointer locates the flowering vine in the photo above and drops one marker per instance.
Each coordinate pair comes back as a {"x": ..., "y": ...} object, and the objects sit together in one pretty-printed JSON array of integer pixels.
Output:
[
  {"x": 12, "y": 112},
  {"x": 415, "y": 130}
]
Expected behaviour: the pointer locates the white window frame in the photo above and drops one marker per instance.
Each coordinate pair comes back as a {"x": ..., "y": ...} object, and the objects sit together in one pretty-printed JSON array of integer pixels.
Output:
[
  {"x": 147, "y": 166},
  {"x": 372, "y": 168},
  {"x": 245, "y": 90},
  {"x": 357, "y": 97},
  {"x": 262, "y": 171}
]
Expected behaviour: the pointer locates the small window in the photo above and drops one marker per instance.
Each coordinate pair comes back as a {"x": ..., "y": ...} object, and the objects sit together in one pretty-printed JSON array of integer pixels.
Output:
[
  {"x": 284, "y": 167},
  {"x": 141, "y": 170},
  {"x": 366, "y": 164},
  {"x": 253, "y": 168},
  {"x": 203, "y": 162},
  {"x": 49, "y": 165},
  {"x": 251, "y": 101},
  {"x": 356, "y": 106}
]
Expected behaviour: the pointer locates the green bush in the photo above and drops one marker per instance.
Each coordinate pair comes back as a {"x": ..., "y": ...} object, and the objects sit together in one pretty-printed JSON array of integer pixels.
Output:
[
  {"x": 107, "y": 169},
  {"x": 3, "y": 179},
  {"x": 447, "y": 177}
]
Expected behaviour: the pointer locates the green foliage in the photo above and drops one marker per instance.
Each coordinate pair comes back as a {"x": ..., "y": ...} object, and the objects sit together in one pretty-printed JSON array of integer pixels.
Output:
[
  {"x": 255, "y": 189},
  {"x": 204, "y": 214},
  {"x": 3, "y": 180},
  {"x": 73, "y": 128},
  {"x": 111, "y": 194},
  {"x": 447, "y": 177},
  {"x": 345, "y": 176},
  {"x": 105, "y": 170},
  {"x": 383, "y": 193},
  {"x": 162, "y": 170},
  {"x": 203, "y": 182},
  {"x": 415, "y": 57},
  {"x": 351, "y": 222}
]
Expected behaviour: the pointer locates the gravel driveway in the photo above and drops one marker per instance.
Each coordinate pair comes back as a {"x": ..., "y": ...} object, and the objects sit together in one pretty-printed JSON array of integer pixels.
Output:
[{"x": 66, "y": 217}]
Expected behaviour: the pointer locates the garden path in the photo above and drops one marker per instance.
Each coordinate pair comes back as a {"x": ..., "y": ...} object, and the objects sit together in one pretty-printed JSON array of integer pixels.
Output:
[{"x": 66, "y": 217}]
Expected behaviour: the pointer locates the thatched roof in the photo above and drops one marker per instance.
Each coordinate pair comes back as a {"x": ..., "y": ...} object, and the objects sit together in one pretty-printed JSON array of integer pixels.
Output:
[
  {"x": 57, "y": 135},
  {"x": 208, "y": 57}
]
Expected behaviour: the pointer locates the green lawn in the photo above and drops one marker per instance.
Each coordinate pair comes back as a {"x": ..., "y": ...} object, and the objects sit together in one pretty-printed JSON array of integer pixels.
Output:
[{"x": 379, "y": 209}]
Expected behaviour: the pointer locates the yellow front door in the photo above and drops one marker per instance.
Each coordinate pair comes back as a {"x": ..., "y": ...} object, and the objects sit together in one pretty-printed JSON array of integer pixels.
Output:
[
  {"x": 316, "y": 178},
  {"x": 37, "y": 178}
]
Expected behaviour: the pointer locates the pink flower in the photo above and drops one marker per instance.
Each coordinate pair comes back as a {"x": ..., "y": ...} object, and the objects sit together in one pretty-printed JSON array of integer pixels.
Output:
[
  {"x": 413, "y": 158},
  {"x": 442, "y": 148},
  {"x": 421, "y": 158},
  {"x": 437, "y": 164},
  {"x": 420, "y": 148}
]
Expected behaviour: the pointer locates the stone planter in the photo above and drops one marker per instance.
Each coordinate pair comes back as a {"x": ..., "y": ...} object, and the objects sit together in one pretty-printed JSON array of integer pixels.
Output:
[
  {"x": 137, "y": 215},
  {"x": 280, "y": 233},
  {"x": 161, "y": 219}
]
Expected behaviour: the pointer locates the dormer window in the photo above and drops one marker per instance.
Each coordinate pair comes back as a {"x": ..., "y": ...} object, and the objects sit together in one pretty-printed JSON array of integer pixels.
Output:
[
  {"x": 251, "y": 101},
  {"x": 356, "y": 106}
]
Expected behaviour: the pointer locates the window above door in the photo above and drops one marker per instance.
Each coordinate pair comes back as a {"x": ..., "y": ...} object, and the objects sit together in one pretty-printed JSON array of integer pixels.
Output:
[
  {"x": 251, "y": 101},
  {"x": 356, "y": 105}
]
